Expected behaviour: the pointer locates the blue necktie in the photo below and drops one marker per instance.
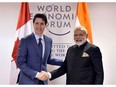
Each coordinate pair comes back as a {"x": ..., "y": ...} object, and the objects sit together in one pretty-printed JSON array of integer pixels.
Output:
[
  {"x": 43, "y": 67},
  {"x": 40, "y": 47}
]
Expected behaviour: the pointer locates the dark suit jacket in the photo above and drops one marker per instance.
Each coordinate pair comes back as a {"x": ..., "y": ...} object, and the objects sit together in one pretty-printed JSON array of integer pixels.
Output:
[
  {"x": 30, "y": 63},
  {"x": 83, "y": 65}
]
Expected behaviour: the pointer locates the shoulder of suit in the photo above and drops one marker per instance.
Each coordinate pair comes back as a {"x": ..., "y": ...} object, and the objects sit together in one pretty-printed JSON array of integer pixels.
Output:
[
  {"x": 72, "y": 47},
  {"x": 47, "y": 37},
  {"x": 93, "y": 45},
  {"x": 28, "y": 36}
]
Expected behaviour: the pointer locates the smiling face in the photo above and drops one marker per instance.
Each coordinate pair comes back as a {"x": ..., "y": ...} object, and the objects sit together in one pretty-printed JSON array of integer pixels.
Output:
[
  {"x": 80, "y": 36},
  {"x": 39, "y": 26}
]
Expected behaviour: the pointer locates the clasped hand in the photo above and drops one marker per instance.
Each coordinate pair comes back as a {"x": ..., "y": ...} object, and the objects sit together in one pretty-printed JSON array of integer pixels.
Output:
[{"x": 43, "y": 76}]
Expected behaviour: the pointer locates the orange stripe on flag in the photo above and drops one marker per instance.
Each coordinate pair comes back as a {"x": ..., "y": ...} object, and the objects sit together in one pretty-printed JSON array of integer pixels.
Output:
[{"x": 83, "y": 16}]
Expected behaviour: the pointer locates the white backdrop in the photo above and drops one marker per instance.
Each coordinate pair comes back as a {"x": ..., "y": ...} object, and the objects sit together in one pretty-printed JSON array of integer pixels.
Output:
[{"x": 103, "y": 22}]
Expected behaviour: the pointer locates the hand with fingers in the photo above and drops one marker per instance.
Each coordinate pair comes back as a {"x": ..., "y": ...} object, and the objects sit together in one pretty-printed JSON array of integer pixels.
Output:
[{"x": 43, "y": 76}]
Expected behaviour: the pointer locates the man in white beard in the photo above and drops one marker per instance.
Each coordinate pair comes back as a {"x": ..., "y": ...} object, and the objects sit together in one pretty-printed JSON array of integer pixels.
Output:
[
  {"x": 80, "y": 35},
  {"x": 83, "y": 62}
]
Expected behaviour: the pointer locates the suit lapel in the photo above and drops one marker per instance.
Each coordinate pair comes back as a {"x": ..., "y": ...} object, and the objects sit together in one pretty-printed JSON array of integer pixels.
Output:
[
  {"x": 34, "y": 43},
  {"x": 46, "y": 47},
  {"x": 86, "y": 47},
  {"x": 47, "y": 44}
]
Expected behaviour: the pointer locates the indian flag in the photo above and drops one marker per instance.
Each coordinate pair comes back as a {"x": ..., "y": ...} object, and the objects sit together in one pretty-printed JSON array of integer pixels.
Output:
[{"x": 83, "y": 18}]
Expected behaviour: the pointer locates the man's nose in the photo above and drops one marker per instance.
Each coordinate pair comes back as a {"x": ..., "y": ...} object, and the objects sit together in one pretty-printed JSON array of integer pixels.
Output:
[{"x": 39, "y": 26}]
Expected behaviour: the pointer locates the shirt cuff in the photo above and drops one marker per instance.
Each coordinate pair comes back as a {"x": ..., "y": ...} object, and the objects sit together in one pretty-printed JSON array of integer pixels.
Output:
[
  {"x": 49, "y": 74},
  {"x": 37, "y": 74}
]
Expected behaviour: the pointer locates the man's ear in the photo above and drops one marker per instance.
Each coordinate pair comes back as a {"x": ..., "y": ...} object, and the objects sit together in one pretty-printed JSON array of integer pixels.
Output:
[
  {"x": 47, "y": 25},
  {"x": 87, "y": 36}
]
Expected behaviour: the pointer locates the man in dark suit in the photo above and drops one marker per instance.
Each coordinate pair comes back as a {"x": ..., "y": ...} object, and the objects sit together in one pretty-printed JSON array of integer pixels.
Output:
[
  {"x": 31, "y": 60},
  {"x": 83, "y": 62}
]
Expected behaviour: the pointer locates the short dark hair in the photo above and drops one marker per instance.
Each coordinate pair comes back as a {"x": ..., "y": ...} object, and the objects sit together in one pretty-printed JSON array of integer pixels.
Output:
[{"x": 43, "y": 16}]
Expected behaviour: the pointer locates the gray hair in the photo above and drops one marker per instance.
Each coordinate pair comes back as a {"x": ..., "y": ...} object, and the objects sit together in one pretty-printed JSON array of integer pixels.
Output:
[{"x": 82, "y": 28}]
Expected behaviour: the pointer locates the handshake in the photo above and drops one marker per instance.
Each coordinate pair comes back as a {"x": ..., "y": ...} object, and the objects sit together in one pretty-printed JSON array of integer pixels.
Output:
[{"x": 43, "y": 75}]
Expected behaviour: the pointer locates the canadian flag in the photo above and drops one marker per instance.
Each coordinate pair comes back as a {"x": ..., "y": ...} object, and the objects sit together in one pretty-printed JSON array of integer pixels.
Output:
[
  {"x": 83, "y": 18},
  {"x": 23, "y": 29}
]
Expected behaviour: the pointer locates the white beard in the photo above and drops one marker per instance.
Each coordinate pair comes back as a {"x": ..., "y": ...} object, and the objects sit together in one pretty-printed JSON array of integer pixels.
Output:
[{"x": 81, "y": 42}]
